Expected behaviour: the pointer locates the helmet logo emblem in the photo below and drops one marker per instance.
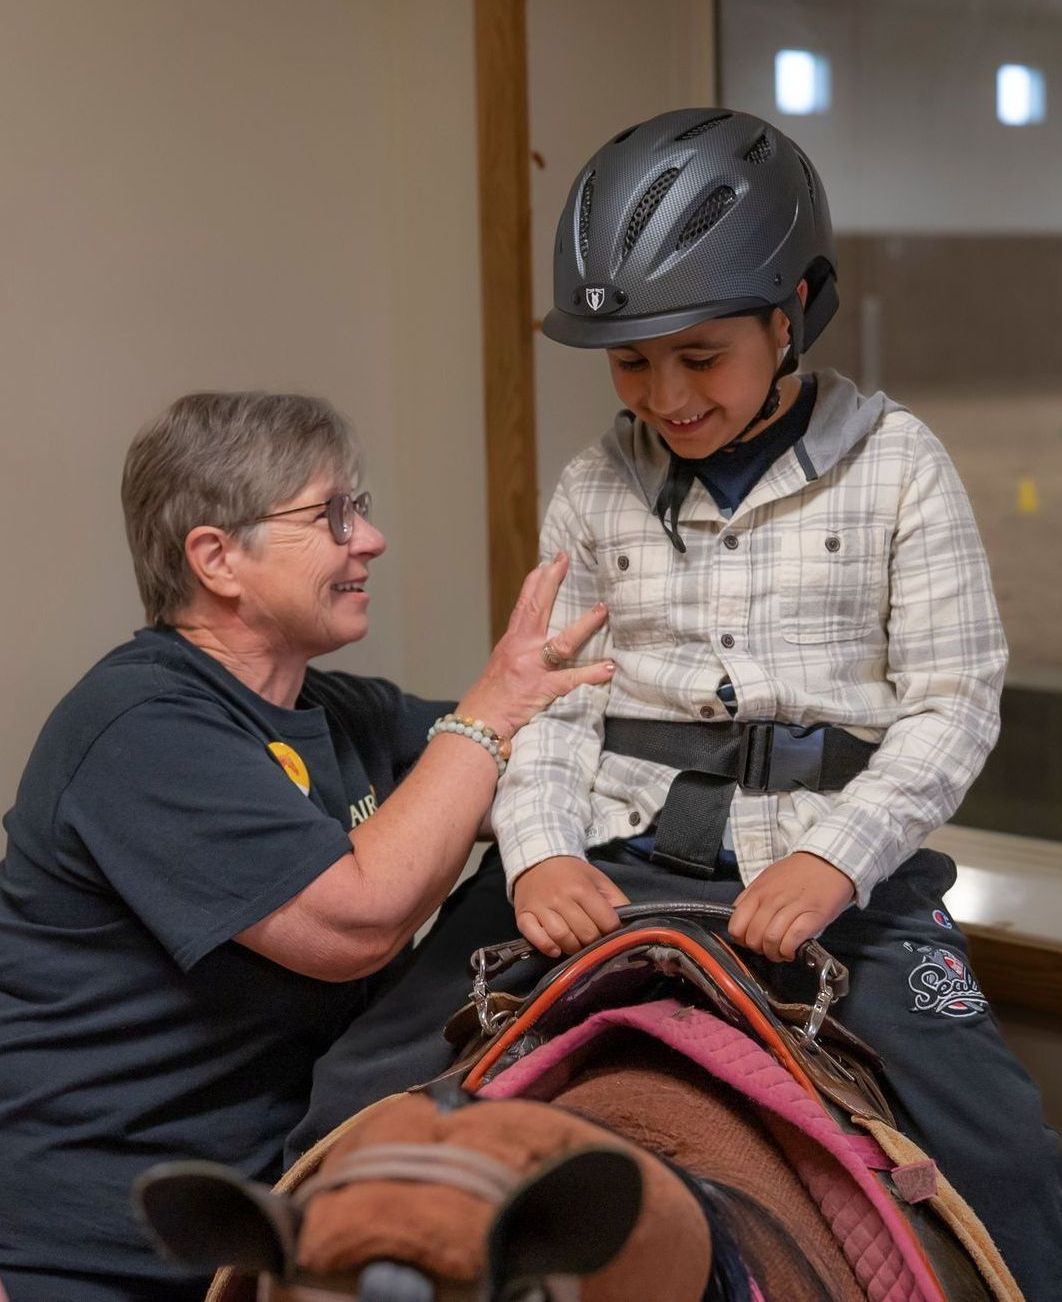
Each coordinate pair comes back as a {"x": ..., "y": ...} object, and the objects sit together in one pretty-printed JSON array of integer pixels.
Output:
[{"x": 595, "y": 296}]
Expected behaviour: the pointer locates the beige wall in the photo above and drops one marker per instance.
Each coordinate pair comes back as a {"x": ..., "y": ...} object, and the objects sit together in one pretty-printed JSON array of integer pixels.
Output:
[
  {"x": 595, "y": 67},
  {"x": 235, "y": 193}
]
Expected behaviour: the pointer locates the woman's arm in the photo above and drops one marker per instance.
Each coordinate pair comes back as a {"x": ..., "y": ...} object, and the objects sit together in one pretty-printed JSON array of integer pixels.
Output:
[{"x": 404, "y": 860}]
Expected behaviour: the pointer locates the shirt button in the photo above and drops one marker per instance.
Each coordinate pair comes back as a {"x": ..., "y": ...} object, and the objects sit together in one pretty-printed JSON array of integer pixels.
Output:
[
  {"x": 706, "y": 712},
  {"x": 727, "y": 640},
  {"x": 730, "y": 542},
  {"x": 623, "y": 562},
  {"x": 634, "y": 818},
  {"x": 833, "y": 543}
]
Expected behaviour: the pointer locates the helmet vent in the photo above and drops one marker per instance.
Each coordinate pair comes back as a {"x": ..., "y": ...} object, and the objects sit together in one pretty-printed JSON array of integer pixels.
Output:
[
  {"x": 808, "y": 176},
  {"x": 701, "y": 127},
  {"x": 720, "y": 201},
  {"x": 760, "y": 150},
  {"x": 647, "y": 205},
  {"x": 586, "y": 200},
  {"x": 618, "y": 140}
]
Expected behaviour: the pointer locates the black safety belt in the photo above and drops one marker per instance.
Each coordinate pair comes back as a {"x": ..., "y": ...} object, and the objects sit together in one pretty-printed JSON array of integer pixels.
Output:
[{"x": 715, "y": 758}]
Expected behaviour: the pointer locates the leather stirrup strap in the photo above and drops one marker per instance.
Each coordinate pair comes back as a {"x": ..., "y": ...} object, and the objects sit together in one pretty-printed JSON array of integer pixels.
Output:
[{"x": 952, "y": 1208}]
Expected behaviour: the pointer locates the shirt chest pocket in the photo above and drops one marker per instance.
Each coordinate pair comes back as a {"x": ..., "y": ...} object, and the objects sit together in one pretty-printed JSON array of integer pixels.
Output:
[
  {"x": 636, "y": 576},
  {"x": 833, "y": 582}
]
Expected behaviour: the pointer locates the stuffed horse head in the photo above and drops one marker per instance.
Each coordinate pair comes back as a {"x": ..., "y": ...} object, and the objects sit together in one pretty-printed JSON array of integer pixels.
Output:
[{"x": 423, "y": 1202}]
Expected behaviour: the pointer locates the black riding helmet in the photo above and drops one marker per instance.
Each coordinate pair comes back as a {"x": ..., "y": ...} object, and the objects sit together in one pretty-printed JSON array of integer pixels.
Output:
[{"x": 695, "y": 214}]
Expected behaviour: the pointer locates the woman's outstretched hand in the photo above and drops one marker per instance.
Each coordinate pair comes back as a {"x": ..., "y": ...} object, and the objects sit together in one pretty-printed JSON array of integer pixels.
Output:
[{"x": 528, "y": 669}]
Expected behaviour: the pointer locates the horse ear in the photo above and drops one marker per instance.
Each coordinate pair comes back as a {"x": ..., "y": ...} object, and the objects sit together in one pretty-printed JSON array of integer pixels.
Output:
[
  {"x": 206, "y": 1216},
  {"x": 570, "y": 1219}
]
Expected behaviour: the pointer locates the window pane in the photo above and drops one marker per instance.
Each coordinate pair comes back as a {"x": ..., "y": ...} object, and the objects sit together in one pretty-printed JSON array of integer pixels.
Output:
[
  {"x": 940, "y": 155},
  {"x": 1021, "y": 97},
  {"x": 801, "y": 82}
]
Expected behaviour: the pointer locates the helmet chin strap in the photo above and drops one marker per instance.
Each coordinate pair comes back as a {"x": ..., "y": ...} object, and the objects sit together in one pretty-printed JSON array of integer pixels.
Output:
[
  {"x": 773, "y": 400},
  {"x": 793, "y": 310}
]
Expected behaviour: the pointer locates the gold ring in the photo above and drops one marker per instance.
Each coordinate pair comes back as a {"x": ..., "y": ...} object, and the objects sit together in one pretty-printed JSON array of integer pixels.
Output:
[{"x": 551, "y": 658}]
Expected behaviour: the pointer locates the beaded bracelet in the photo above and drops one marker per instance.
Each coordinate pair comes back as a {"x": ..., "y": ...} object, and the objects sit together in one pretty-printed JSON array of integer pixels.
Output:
[{"x": 476, "y": 730}]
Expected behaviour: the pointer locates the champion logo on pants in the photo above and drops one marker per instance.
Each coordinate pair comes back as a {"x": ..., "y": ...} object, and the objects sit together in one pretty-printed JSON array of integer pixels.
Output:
[{"x": 942, "y": 983}]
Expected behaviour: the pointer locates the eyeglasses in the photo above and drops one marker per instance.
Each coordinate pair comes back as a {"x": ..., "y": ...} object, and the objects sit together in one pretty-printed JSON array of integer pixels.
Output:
[{"x": 339, "y": 511}]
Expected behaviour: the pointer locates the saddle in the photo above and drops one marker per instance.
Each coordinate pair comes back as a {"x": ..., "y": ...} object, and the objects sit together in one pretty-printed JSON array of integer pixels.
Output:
[
  {"x": 666, "y": 977},
  {"x": 660, "y": 973},
  {"x": 664, "y": 949}
]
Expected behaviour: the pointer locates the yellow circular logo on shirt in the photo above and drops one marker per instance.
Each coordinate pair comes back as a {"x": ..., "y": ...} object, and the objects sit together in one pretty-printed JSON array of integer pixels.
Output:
[{"x": 292, "y": 764}]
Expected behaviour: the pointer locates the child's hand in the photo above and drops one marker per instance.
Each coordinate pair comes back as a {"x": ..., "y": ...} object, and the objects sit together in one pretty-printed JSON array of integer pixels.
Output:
[
  {"x": 788, "y": 903},
  {"x": 565, "y": 903}
]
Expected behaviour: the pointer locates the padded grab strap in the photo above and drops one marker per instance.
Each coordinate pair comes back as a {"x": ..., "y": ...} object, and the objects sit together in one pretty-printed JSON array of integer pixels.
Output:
[{"x": 588, "y": 961}]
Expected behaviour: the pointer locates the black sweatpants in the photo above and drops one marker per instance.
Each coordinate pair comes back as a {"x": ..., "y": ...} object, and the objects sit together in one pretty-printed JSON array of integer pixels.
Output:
[
  {"x": 68, "y": 1286},
  {"x": 955, "y": 1086}
]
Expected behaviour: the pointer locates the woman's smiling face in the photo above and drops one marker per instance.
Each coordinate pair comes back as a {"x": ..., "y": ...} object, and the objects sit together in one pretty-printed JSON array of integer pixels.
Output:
[
  {"x": 701, "y": 386},
  {"x": 301, "y": 591}
]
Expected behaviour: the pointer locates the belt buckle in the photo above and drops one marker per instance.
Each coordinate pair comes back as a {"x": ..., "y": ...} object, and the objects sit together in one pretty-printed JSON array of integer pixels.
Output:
[
  {"x": 796, "y": 757},
  {"x": 780, "y": 757}
]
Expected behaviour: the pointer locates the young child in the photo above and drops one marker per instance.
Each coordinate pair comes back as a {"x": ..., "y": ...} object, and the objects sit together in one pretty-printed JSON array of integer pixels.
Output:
[{"x": 809, "y": 656}]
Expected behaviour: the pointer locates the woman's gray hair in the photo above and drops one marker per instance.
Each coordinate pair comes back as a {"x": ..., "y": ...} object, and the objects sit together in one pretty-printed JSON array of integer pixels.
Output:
[{"x": 221, "y": 459}]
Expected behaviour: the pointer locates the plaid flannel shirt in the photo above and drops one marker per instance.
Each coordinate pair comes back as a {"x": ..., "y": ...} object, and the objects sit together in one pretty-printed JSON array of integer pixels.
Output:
[{"x": 850, "y": 587}]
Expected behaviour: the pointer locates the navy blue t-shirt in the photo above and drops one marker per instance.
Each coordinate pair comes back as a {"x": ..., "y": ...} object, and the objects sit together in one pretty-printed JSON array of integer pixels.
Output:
[{"x": 165, "y": 808}]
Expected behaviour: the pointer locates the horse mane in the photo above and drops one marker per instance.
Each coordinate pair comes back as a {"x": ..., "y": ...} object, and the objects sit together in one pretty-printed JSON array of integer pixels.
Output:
[
  {"x": 733, "y": 1267},
  {"x": 725, "y": 1207},
  {"x": 729, "y": 1280}
]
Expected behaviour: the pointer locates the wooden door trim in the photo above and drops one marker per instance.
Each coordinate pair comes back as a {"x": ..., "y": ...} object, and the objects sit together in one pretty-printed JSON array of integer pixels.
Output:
[{"x": 505, "y": 267}]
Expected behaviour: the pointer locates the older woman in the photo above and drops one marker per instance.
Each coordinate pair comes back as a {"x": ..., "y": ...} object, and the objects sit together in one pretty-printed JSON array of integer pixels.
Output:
[{"x": 214, "y": 846}]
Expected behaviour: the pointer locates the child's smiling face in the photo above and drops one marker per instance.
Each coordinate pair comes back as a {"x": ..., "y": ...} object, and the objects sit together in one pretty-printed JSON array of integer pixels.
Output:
[{"x": 701, "y": 386}]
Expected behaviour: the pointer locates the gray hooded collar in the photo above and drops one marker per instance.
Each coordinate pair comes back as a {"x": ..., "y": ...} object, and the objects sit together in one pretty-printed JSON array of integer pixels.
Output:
[{"x": 841, "y": 418}]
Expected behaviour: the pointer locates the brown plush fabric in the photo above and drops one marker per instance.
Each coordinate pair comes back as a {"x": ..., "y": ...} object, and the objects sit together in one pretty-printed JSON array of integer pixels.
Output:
[
  {"x": 229, "y": 1286},
  {"x": 657, "y": 1099},
  {"x": 444, "y": 1231}
]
